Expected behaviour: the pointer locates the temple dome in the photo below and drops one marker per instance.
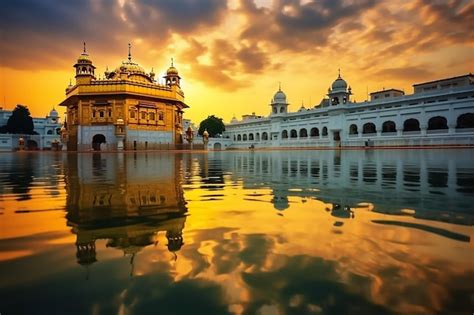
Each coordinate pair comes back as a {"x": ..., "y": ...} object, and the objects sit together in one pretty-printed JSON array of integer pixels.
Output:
[
  {"x": 279, "y": 97},
  {"x": 172, "y": 71},
  {"x": 130, "y": 67},
  {"x": 339, "y": 84},
  {"x": 53, "y": 113}
]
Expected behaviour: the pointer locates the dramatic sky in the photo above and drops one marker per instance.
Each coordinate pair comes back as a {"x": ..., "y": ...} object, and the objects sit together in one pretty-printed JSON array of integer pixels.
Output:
[{"x": 232, "y": 54}]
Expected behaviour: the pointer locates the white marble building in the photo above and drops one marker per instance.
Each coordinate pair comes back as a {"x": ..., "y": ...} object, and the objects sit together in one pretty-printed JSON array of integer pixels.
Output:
[
  {"x": 47, "y": 129},
  {"x": 438, "y": 113}
]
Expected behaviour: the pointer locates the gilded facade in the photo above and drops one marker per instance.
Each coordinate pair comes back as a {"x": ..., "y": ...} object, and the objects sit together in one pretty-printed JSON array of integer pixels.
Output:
[{"x": 126, "y": 109}]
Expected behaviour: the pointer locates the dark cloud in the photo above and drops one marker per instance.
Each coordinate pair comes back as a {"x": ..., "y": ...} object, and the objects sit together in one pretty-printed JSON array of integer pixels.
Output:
[
  {"x": 43, "y": 34},
  {"x": 290, "y": 25}
]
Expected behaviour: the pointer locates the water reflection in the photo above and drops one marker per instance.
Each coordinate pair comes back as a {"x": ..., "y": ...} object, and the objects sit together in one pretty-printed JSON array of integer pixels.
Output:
[
  {"x": 437, "y": 186},
  {"x": 110, "y": 197},
  {"x": 301, "y": 232}
]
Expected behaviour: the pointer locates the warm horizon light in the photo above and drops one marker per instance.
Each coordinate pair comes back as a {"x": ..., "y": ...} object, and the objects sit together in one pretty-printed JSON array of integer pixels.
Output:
[{"x": 232, "y": 54}]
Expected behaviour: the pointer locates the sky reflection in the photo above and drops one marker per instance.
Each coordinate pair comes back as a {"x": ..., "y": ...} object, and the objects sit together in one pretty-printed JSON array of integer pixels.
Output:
[{"x": 238, "y": 233}]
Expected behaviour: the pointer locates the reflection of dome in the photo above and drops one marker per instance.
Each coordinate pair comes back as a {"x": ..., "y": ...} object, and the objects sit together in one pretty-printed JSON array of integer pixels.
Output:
[{"x": 339, "y": 84}]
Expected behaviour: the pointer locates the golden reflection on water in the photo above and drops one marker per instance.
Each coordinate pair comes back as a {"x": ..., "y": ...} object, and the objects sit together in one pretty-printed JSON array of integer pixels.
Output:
[{"x": 242, "y": 233}]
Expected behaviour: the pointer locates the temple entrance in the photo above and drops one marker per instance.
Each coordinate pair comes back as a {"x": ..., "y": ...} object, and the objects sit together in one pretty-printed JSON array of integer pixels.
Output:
[
  {"x": 217, "y": 146},
  {"x": 97, "y": 140}
]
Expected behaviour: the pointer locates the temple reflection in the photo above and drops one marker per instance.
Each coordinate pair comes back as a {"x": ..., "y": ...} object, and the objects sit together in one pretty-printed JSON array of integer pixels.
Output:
[
  {"x": 110, "y": 198},
  {"x": 434, "y": 185}
]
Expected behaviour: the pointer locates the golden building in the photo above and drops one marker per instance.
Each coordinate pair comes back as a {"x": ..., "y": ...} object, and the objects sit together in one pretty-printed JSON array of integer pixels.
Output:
[{"x": 126, "y": 109}]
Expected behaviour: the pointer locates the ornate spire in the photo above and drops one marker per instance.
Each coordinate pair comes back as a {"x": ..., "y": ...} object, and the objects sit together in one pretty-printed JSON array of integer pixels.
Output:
[
  {"x": 172, "y": 62},
  {"x": 339, "y": 73},
  {"x": 84, "y": 43},
  {"x": 129, "y": 52},
  {"x": 279, "y": 85}
]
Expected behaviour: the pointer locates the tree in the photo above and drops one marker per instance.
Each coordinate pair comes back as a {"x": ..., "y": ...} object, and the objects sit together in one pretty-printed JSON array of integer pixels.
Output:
[
  {"x": 214, "y": 126},
  {"x": 20, "y": 121}
]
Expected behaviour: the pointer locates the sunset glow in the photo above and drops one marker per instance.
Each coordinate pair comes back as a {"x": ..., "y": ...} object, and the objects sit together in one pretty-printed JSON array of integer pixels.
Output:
[{"x": 232, "y": 54}]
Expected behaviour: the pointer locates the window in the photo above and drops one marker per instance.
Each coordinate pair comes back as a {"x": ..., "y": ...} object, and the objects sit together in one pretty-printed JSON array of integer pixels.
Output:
[
  {"x": 143, "y": 115},
  {"x": 93, "y": 113},
  {"x": 132, "y": 114},
  {"x": 161, "y": 116},
  {"x": 110, "y": 112},
  {"x": 101, "y": 113},
  {"x": 152, "y": 116}
]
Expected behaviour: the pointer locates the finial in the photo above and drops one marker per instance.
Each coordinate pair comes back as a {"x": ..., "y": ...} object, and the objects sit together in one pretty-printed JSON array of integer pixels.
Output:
[
  {"x": 84, "y": 47},
  {"x": 279, "y": 85},
  {"x": 152, "y": 70},
  {"x": 172, "y": 62},
  {"x": 339, "y": 71},
  {"x": 129, "y": 52}
]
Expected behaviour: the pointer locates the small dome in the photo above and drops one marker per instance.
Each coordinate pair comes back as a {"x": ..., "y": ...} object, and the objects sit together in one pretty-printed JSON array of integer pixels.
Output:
[
  {"x": 172, "y": 71},
  {"x": 53, "y": 113},
  {"x": 339, "y": 84},
  {"x": 279, "y": 97},
  {"x": 84, "y": 58}
]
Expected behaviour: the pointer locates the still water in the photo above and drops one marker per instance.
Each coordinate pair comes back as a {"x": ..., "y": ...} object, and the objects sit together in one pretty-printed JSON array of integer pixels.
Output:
[{"x": 277, "y": 232}]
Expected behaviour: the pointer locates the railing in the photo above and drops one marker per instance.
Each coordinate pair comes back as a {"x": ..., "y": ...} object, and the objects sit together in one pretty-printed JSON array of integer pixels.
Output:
[
  {"x": 388, "y": 134},
  {"x": 411, "y": 133},
  {"x": 436, "y": 131},
  {"x": 464, "y": 130}
]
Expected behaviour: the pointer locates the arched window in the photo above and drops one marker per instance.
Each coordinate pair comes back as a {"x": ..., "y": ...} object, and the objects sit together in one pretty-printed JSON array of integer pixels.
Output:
[
  {"x": 303, "y": 133},
  {"x": 284, "y": 134},
  {"x": 282, "y": 109},
  {"x": 314, "y": 132},
  {"x": 325, "y": 131},
  {"x": 50, "y": 132},
  {"x": 411, "y": 125},
  {"x": 389, "y": 126},
  {"x": 275, "y": 110},
  {"x": 293, "y": 133},
  {"x": 251, "y": 137},
  {"x": 239, "y": 138},
  {"x": 465, "y": 121},
  {"x": 437, "y": 122},
  {"x": 244, "y": 137},
  {"x": 353, "y": 129},
  {"x": 264, "y": 136},
  {"x": 368, "y": 128}
]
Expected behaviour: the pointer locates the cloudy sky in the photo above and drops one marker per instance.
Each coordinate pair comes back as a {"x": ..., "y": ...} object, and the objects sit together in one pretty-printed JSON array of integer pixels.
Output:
[{"x": 232, "y": 54}]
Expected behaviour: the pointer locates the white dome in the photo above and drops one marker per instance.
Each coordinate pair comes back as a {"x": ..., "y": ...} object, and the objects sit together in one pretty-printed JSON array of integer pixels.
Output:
[
  {"x": 279, "y": 97},
  {"x": 53, "y": 113},
  {"x": 339, "y": 84}
]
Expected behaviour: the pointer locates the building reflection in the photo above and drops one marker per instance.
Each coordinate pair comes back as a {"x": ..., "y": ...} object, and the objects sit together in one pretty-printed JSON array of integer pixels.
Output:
[
  {"x": 125, "y": 199},
  {"x": 436, "y": 185}
]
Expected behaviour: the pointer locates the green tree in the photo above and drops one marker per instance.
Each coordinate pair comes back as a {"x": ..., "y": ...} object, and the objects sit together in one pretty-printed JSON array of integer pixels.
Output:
[
  {"x": 214, "y": 126},
  {"x": 20, "y": 121}
]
